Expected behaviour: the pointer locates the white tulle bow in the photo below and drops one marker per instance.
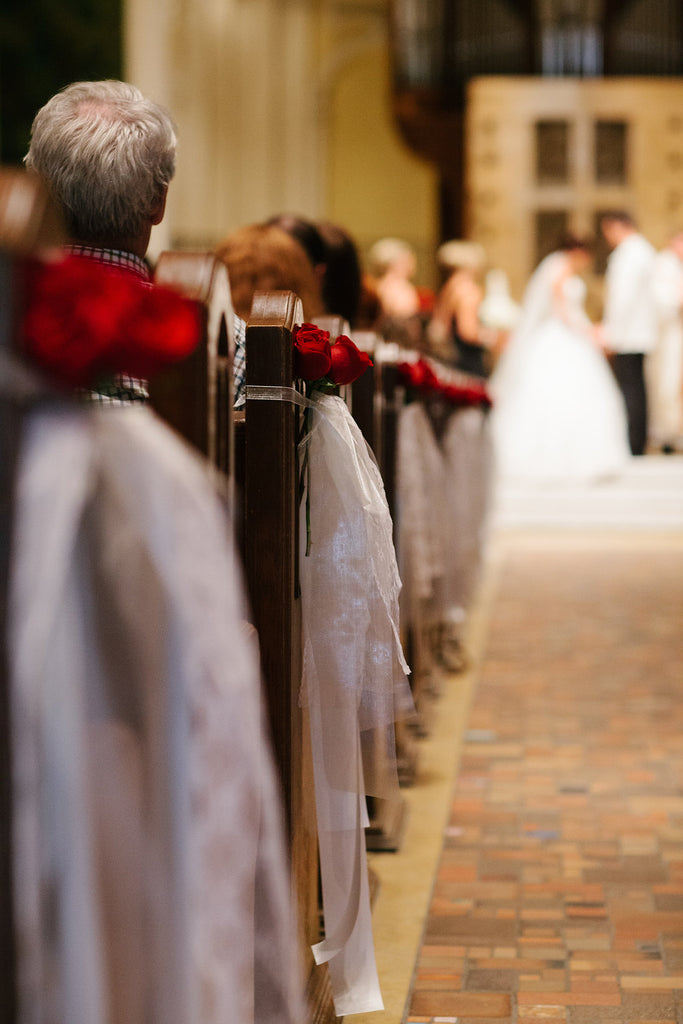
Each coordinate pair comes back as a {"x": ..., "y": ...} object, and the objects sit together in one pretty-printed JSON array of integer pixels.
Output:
[{"x": 354, "y": 681}]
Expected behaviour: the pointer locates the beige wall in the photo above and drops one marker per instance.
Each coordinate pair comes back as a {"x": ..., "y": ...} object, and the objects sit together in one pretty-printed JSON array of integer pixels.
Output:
[
  {"x": 240, "y": 79},
  {"x": 281, "y": 106},
  {"x": 375, "y": 185}
]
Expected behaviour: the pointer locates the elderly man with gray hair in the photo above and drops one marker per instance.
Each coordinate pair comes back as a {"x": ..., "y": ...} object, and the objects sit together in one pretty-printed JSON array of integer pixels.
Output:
[{"x": 107, "y": 156}]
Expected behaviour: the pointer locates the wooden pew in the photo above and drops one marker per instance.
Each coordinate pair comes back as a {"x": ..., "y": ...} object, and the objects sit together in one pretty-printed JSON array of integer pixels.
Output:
[
  {"x": 363, "y": 402},
  {"x": 377, "y": 399},
  {"x": 267, "y": 472},
  {"x": 195, "y": 395},
  {"x": 431, "y": 644},
  {"x": 271, "y": 510},
  {"x": 257, "y": 449},
  {"x": 271, "y": 552},
  {"x": 388, "y": 818}
]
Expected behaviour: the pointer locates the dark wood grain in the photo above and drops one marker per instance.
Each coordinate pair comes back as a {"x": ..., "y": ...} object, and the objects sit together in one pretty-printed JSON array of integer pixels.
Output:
[
  {"x": 271, "y": 553},
  {"x": 194, "y": 396}
]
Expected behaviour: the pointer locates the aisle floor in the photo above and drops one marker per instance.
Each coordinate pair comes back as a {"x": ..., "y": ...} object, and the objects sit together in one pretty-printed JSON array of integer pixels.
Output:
[{"x": 558, "y": 894}]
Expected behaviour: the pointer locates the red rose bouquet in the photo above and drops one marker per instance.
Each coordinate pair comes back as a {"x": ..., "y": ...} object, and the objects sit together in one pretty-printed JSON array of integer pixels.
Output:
[
  {"x": 420, "y": 378},
  {"x": 324, "y": 365},
  {"x": 348, "y": 362},
  {"x": 85, "y": 321},
  {"x": 312, "y": 352}
]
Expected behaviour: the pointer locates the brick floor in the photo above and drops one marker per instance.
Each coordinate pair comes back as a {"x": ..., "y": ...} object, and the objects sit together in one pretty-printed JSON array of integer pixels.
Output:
[{"x": 559, "y": 893}]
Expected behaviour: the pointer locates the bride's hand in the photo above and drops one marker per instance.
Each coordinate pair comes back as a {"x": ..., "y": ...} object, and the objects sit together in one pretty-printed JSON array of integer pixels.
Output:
[{"x": 599, "y": 338}]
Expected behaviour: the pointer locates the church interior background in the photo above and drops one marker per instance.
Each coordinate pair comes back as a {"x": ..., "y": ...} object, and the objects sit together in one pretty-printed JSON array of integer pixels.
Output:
[
  {"x": 506, "y": 121},
  {"x": 503, "y": 121}
]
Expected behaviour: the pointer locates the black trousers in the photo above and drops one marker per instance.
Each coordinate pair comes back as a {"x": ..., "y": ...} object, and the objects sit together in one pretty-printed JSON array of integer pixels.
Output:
[{"x": 629, "y": 370}]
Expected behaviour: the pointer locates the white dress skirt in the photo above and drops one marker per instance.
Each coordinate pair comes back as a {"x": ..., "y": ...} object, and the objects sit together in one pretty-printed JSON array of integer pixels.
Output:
[{"x": 558, "y": 413}]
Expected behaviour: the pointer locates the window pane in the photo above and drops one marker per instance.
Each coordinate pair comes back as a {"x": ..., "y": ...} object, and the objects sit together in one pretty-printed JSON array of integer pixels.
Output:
[
  {"x": 610, "y": 152},
  {"x": 552, "y": 152}
]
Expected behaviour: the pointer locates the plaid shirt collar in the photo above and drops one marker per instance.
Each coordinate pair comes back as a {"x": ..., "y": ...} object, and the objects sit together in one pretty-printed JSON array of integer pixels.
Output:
[{"x": 113, "y": 257}]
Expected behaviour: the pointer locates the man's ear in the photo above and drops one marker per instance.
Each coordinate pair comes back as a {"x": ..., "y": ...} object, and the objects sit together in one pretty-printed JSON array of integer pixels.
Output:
[{"x": 159, "y": 208}]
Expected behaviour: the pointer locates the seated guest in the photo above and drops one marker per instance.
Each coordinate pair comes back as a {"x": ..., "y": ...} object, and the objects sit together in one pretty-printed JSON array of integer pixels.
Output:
[
  {"x": 107, "y": 156},
  {"x": 404, "y": 306},
  {"x": 343, "y": 280},
  {"x": 456, "y": 330},
  {"x": 152, "y": 881},
  {"x": 308, "y": 235},
  {"x": 369, "y": 309},
  {"x": 335, "y": 259},
  {"x": 265, "y": 258},
  {"x": 393, "y": 264}
]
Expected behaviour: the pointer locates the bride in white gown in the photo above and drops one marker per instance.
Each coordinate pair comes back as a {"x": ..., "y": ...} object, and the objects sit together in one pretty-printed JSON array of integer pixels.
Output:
[{"x": 558, "y": 414}]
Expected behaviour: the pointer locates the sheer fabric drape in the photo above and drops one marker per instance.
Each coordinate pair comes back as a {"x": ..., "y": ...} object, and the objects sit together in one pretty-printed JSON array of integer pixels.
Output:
[
  {"x": 469, "y": 460},
  {"x": 151, "y": 879},
  {"x": 423, "y": 516},
  {"x": 354, "y": 681}
]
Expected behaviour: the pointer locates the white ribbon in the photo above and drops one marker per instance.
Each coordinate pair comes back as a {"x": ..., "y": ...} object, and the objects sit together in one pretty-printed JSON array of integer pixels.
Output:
[
  {"x": 354, "y": 681},
  {"x": 272, "y": 393}
]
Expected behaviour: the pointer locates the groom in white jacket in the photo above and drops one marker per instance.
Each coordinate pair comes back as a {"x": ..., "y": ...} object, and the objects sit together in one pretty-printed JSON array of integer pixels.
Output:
[{"x": 629, "y": 326}]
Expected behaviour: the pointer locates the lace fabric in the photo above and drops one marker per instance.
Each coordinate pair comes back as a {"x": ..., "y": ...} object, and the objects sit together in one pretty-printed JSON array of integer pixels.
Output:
[
  {"x": 151, "y": 879},
  {"x": 354, "y": 681},
  {"x": 422, "y": 512},
  {"x": 351, "y": 577},
  {"x": 468, "y": 457}
]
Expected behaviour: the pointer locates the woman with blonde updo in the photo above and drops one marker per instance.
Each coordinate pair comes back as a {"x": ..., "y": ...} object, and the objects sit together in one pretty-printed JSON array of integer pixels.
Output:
[
  {"x": 404, "y": 306},
  {"x": 455, "y": 330}
]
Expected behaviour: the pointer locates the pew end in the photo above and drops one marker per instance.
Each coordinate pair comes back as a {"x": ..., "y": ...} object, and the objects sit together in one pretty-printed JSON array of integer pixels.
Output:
[
  {"x": 271, "y": 553},
  {"x": 29, "y": 221},
  {"x": 195, "y": 395}
]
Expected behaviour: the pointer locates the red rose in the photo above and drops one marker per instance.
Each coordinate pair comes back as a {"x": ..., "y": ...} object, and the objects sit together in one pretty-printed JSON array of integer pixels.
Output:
[
  {"x": 165, "y": 328},
  {"x": 348, "y": 362},
  {"x": 454, "y": 395},
  {"x": 312, "y": 358},
  {"x": 407, "y": 374},
  {"x": 420, "y": 376},
  {"x": 84, "y": 321},
  {"x": 466, "y": 395}
]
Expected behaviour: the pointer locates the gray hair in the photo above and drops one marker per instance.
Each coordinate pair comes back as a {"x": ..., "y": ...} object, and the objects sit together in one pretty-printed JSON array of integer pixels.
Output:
[{"x": 107, "y": 155}]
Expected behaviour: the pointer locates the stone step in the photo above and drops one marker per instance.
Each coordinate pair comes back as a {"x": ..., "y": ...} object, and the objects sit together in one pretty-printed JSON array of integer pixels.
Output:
[{"x": 648, "y": 495}]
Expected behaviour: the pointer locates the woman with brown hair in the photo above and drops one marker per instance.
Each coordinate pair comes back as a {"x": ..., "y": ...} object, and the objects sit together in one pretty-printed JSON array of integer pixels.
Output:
[{"x": 264, "y": 258}]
